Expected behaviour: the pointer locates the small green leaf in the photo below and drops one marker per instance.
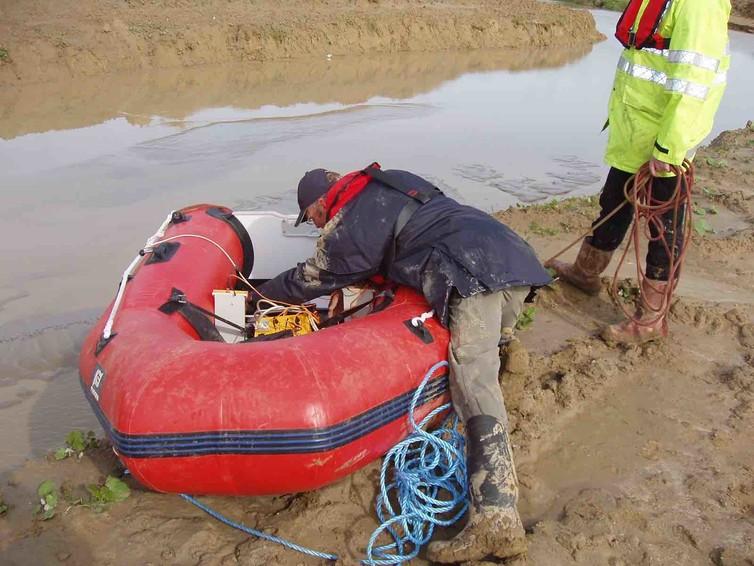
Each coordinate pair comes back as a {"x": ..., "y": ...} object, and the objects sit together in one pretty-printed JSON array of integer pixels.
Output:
[
  {"x": 62, "y": 453},
  {"x": 540, "y": 230},
  {"x": 48, "y": 499},
  {"x": 716, "y": 163},
  {"x": 113, "y": 491},
  {"x": 526, "y": 318},
  {"x": 699, "y": 211},
  {"x": 701, "y": 226},
  {"x": 45, "y": 488},
  {"x": 75, "y": 440},
  {"x": 118, "y": 489}
]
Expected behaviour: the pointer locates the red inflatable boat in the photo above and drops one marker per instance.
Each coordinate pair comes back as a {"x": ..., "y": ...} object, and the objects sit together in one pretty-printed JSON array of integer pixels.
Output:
[{"x": 191, "y": 415}]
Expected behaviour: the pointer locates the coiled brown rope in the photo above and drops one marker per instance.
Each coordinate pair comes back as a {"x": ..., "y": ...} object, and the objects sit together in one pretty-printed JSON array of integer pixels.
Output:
[{"x": 648, "y": 211}]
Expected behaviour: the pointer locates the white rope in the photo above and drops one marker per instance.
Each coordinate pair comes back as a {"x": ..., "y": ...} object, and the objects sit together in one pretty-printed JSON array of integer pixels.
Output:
[
  {"x": 148, "y": 248},
  {"x": 107, "y": 332},
  {"x": 422, "y": 318},
  {"x": 157, "y": 239}
]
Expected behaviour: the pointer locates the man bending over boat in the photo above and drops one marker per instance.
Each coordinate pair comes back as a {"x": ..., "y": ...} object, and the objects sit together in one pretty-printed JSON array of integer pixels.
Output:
[{"x": 474, "y": 271}]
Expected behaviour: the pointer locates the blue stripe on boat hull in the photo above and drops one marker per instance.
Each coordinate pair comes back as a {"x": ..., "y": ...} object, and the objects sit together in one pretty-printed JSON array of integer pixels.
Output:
[{"x": 264, "y": 441}]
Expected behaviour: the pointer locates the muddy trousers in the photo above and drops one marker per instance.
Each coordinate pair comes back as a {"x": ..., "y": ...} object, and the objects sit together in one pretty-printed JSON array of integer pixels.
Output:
[
  {"x": 476, "y": 324},
  {"x": 610, "y": 235}
]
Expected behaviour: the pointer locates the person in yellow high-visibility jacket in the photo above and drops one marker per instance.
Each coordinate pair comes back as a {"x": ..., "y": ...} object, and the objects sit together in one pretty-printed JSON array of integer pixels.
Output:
[{"x": 662, "y": 106}]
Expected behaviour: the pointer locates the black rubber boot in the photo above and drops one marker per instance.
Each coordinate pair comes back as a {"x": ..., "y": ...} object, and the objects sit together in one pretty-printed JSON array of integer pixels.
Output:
[{"x": 494, "y": 527}]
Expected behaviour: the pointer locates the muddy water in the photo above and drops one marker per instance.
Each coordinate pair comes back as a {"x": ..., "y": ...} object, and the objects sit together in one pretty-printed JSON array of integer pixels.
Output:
[{"x": 89, "y": 169}]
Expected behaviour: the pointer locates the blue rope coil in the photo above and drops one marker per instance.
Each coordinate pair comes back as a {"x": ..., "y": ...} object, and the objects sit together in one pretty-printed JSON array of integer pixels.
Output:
[
  {"x": 428, "y": 487},
  {"x": 423, "y": 484}
]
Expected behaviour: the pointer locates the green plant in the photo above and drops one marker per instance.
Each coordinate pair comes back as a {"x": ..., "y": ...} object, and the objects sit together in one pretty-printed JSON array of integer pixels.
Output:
[
  {"x": 77, "y": 442},
  {"x": 526, "y": 318},
  {"x": 710, "y": 192},
  {"x": 4, "y": 55},
  {"x": 48, "y": 499},
  {"x": 3, "y": 506},
  {"x": 716, "y": 163},
  {"x": 112, "y": 491},
  {"x": 627, "y": 291},
  {"x": 551, "y": 205},
  {"x": 702, "y": 227},
  {"x": 539, "y": 230},
  {"x": 699, "y": 211}
]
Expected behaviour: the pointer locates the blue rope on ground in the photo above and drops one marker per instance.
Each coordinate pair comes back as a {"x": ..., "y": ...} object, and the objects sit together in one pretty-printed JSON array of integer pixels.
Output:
[
  {"x": 428, "y": 489},
  {"x": 258, "y": 534}
]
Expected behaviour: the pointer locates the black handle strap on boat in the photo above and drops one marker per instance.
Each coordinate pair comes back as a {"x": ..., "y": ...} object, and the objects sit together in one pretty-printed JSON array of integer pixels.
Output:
[
  {"x": 418, "y": 198},
  {"x": 226, "y": 215},
  {"x": 420, "y": 331},
  {"x": 196, "y": 316},
  {"x": 270, "y": 337},
  {"x": 386, "y": 296}
]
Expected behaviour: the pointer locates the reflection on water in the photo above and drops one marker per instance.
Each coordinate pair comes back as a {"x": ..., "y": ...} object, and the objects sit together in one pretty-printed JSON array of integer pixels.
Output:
[
  {"x": 89, "y": 169},
  {"x": 186, "y": 93}
]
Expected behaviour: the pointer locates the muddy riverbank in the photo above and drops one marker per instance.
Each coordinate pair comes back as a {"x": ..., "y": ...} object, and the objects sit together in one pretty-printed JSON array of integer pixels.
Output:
[
  {"x": 626, "y": 455},
  {"x": 42, "y": 40}
]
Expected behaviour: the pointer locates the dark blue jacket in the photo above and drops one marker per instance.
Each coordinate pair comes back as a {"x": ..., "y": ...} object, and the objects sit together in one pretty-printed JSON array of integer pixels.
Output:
[{"x": 445, "y": 246}]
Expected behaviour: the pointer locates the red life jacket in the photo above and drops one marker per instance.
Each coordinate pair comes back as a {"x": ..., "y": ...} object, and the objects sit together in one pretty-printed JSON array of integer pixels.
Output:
[
  {"x": 646, "y": 31},
  {"x": 350, "y": 186},
  {"x": 345, "y": 190}
]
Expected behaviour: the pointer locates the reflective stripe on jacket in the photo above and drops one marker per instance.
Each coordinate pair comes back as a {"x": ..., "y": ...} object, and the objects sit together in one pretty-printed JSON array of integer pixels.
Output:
[{"x": 664, "y": 101}]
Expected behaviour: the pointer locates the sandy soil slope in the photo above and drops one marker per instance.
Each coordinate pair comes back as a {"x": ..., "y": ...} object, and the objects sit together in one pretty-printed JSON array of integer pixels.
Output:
[
  {"x": 43, "y": 40},
  {"x": 636, "y": 456}
]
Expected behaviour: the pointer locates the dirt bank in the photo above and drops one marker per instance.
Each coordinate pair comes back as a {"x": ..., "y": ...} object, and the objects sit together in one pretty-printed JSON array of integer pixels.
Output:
[
  {"x": 625, "y": 455},
  {"x": 43, "y": 40}
]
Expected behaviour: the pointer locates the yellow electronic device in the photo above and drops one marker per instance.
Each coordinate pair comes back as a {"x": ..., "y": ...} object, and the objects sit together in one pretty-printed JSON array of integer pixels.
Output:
[{"x": 299, "y": 323}]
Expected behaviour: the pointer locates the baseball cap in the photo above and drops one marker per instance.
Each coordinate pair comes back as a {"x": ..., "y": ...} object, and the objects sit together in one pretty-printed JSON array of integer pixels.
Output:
[{"x": 312, "y": 185}]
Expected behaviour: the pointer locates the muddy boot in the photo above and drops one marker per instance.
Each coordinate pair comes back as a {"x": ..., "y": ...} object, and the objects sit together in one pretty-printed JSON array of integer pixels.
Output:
[
  {"x": 652, "y": 326},
  {"x": 585, "y": 272},
  {"x": 515, "y": 356},
  {"x": 494, "y": 527}
]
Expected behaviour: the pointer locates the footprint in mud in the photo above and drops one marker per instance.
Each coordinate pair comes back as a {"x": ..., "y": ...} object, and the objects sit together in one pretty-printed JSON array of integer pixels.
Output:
[
  {"x": 571, "y": 173},
  {"x": 279, "y": 202},
  {"x": 478, "y": 173},
  {"x": 575, "y": 173}
]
